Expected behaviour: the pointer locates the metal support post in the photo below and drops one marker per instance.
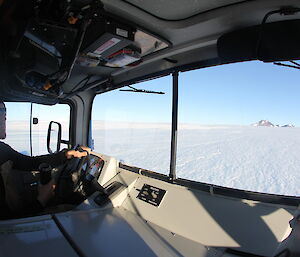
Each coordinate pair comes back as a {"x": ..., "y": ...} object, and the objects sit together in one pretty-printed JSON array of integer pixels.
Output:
[{"x": 174, "y": 126}]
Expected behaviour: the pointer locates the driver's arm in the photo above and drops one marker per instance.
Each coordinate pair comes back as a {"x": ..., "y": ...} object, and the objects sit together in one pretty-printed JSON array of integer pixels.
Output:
[
  {"x": 24, "y": 162},
  {"x": 46, "y": 192}
]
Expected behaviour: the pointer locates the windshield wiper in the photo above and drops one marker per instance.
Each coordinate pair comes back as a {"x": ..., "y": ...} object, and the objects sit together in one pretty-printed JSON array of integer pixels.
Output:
[
  {"x": 136, "y": 90},
  {"x": 295, "y": 64}
]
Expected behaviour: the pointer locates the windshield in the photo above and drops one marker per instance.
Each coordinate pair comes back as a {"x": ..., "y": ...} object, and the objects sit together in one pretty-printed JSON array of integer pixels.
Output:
[
  {"x": 135, "y": 127},
  {"x": 238, "y": 127}
]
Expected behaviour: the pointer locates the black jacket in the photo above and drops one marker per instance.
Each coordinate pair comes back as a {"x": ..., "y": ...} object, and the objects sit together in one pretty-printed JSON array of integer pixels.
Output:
[{"x": 24, "y": 163}]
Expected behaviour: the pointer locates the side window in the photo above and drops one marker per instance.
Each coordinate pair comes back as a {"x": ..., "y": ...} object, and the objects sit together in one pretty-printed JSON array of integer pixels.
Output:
[
  {"x": 44, "y": 113},
  {"x": 18, "y": 125},
  {"x": 135, "y": 127}
]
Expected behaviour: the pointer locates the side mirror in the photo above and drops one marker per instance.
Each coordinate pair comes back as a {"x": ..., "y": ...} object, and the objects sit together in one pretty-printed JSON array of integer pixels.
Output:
[{"x": 54, "y": 137}]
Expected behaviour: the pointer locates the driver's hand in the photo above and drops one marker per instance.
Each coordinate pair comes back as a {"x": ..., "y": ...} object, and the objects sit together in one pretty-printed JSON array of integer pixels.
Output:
[
  {"x": 46, "y": 192},
  {"x": 77, "y": 154}
]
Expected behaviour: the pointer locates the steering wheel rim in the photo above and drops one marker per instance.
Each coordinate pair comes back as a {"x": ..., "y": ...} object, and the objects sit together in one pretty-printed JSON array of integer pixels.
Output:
[
  {"x": 72, "y": 166},
  {"x": 83, "y": 160}
]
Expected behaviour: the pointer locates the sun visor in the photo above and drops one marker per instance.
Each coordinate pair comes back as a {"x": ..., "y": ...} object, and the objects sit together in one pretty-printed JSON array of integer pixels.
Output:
[{"x": 277, "y": 41}]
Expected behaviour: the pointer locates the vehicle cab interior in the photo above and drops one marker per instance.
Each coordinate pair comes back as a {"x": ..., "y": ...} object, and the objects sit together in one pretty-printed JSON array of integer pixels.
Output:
[{"x": 59, "y": 57}]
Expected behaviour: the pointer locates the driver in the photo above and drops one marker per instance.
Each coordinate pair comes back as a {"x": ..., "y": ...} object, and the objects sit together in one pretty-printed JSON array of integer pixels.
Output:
[{"x": 27, "y": 163}]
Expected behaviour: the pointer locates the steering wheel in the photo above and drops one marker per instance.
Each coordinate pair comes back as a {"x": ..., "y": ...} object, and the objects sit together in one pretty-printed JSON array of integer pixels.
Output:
[
  {"x": 74, "y": 183},
  {"x": 87, "y": 183},
  {"x": 68, "y": 180}
]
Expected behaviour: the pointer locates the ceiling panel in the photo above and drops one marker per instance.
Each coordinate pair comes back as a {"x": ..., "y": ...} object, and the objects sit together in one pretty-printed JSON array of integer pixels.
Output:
[{"x": 178, "y": 9}]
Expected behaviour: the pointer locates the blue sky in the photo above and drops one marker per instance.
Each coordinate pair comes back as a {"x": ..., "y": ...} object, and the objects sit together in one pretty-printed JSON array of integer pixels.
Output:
[
  {"x": 239, "y": 94},
  {"x": 21, "y": 111}
]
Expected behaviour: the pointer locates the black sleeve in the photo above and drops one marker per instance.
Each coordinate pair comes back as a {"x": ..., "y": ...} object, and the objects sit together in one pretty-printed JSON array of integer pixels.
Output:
[
  {"x": 23, "y": 162},
  {"x": 32, "y": 209}
]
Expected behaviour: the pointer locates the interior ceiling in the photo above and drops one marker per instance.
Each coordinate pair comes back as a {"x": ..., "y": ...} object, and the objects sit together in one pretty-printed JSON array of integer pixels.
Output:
[
  {"x": 191, "y": 27},
  {"x": 173, "y": 10},
  {"x": 193, "y": 39}
]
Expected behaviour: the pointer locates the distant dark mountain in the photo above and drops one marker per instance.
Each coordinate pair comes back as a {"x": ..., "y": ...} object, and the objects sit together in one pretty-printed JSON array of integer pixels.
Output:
[
  {"x": 266, "y": 123},
  {"x": 263, "y": 123},
  {"x": 288, "y": 126}
]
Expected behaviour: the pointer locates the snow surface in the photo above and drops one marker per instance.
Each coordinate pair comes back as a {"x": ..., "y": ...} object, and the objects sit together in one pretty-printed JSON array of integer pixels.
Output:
[{"x": 263, "y": 159}]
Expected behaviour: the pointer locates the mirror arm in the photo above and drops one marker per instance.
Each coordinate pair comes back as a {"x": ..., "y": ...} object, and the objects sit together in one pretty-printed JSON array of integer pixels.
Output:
[{"x": 66, "y": 142}]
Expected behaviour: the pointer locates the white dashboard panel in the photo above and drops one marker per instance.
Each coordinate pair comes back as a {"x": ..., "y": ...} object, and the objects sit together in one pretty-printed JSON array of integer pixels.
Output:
[
  {"x": 33, "y": 238},
  {"x": 118, "y": 232},
  {"x": 104, "y": 233}
]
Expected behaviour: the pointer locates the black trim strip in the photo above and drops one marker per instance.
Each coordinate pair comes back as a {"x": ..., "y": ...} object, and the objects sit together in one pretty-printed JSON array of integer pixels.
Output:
[
  {"x": 239, "y": 253},
  {"x": 68, "y": 237},
  {"x": 241, "y": 194},
  {"x": 186, "y": 18},
  {"x": 129, "y": 168},
  {"x": 144, "y": 172},
  {"x": 219, "y": 190}
]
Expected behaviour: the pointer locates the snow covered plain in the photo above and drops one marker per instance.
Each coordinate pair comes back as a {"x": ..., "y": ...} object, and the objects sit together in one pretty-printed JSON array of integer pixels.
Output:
[
  {"x": 263, "y": 159},
  {"x": 259, "y": 159}
]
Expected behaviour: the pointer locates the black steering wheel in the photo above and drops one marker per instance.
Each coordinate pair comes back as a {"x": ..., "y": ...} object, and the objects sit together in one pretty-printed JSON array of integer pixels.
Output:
[
  {"x": 68, "y": 180},
  {"x": 74, "y": 183}
]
